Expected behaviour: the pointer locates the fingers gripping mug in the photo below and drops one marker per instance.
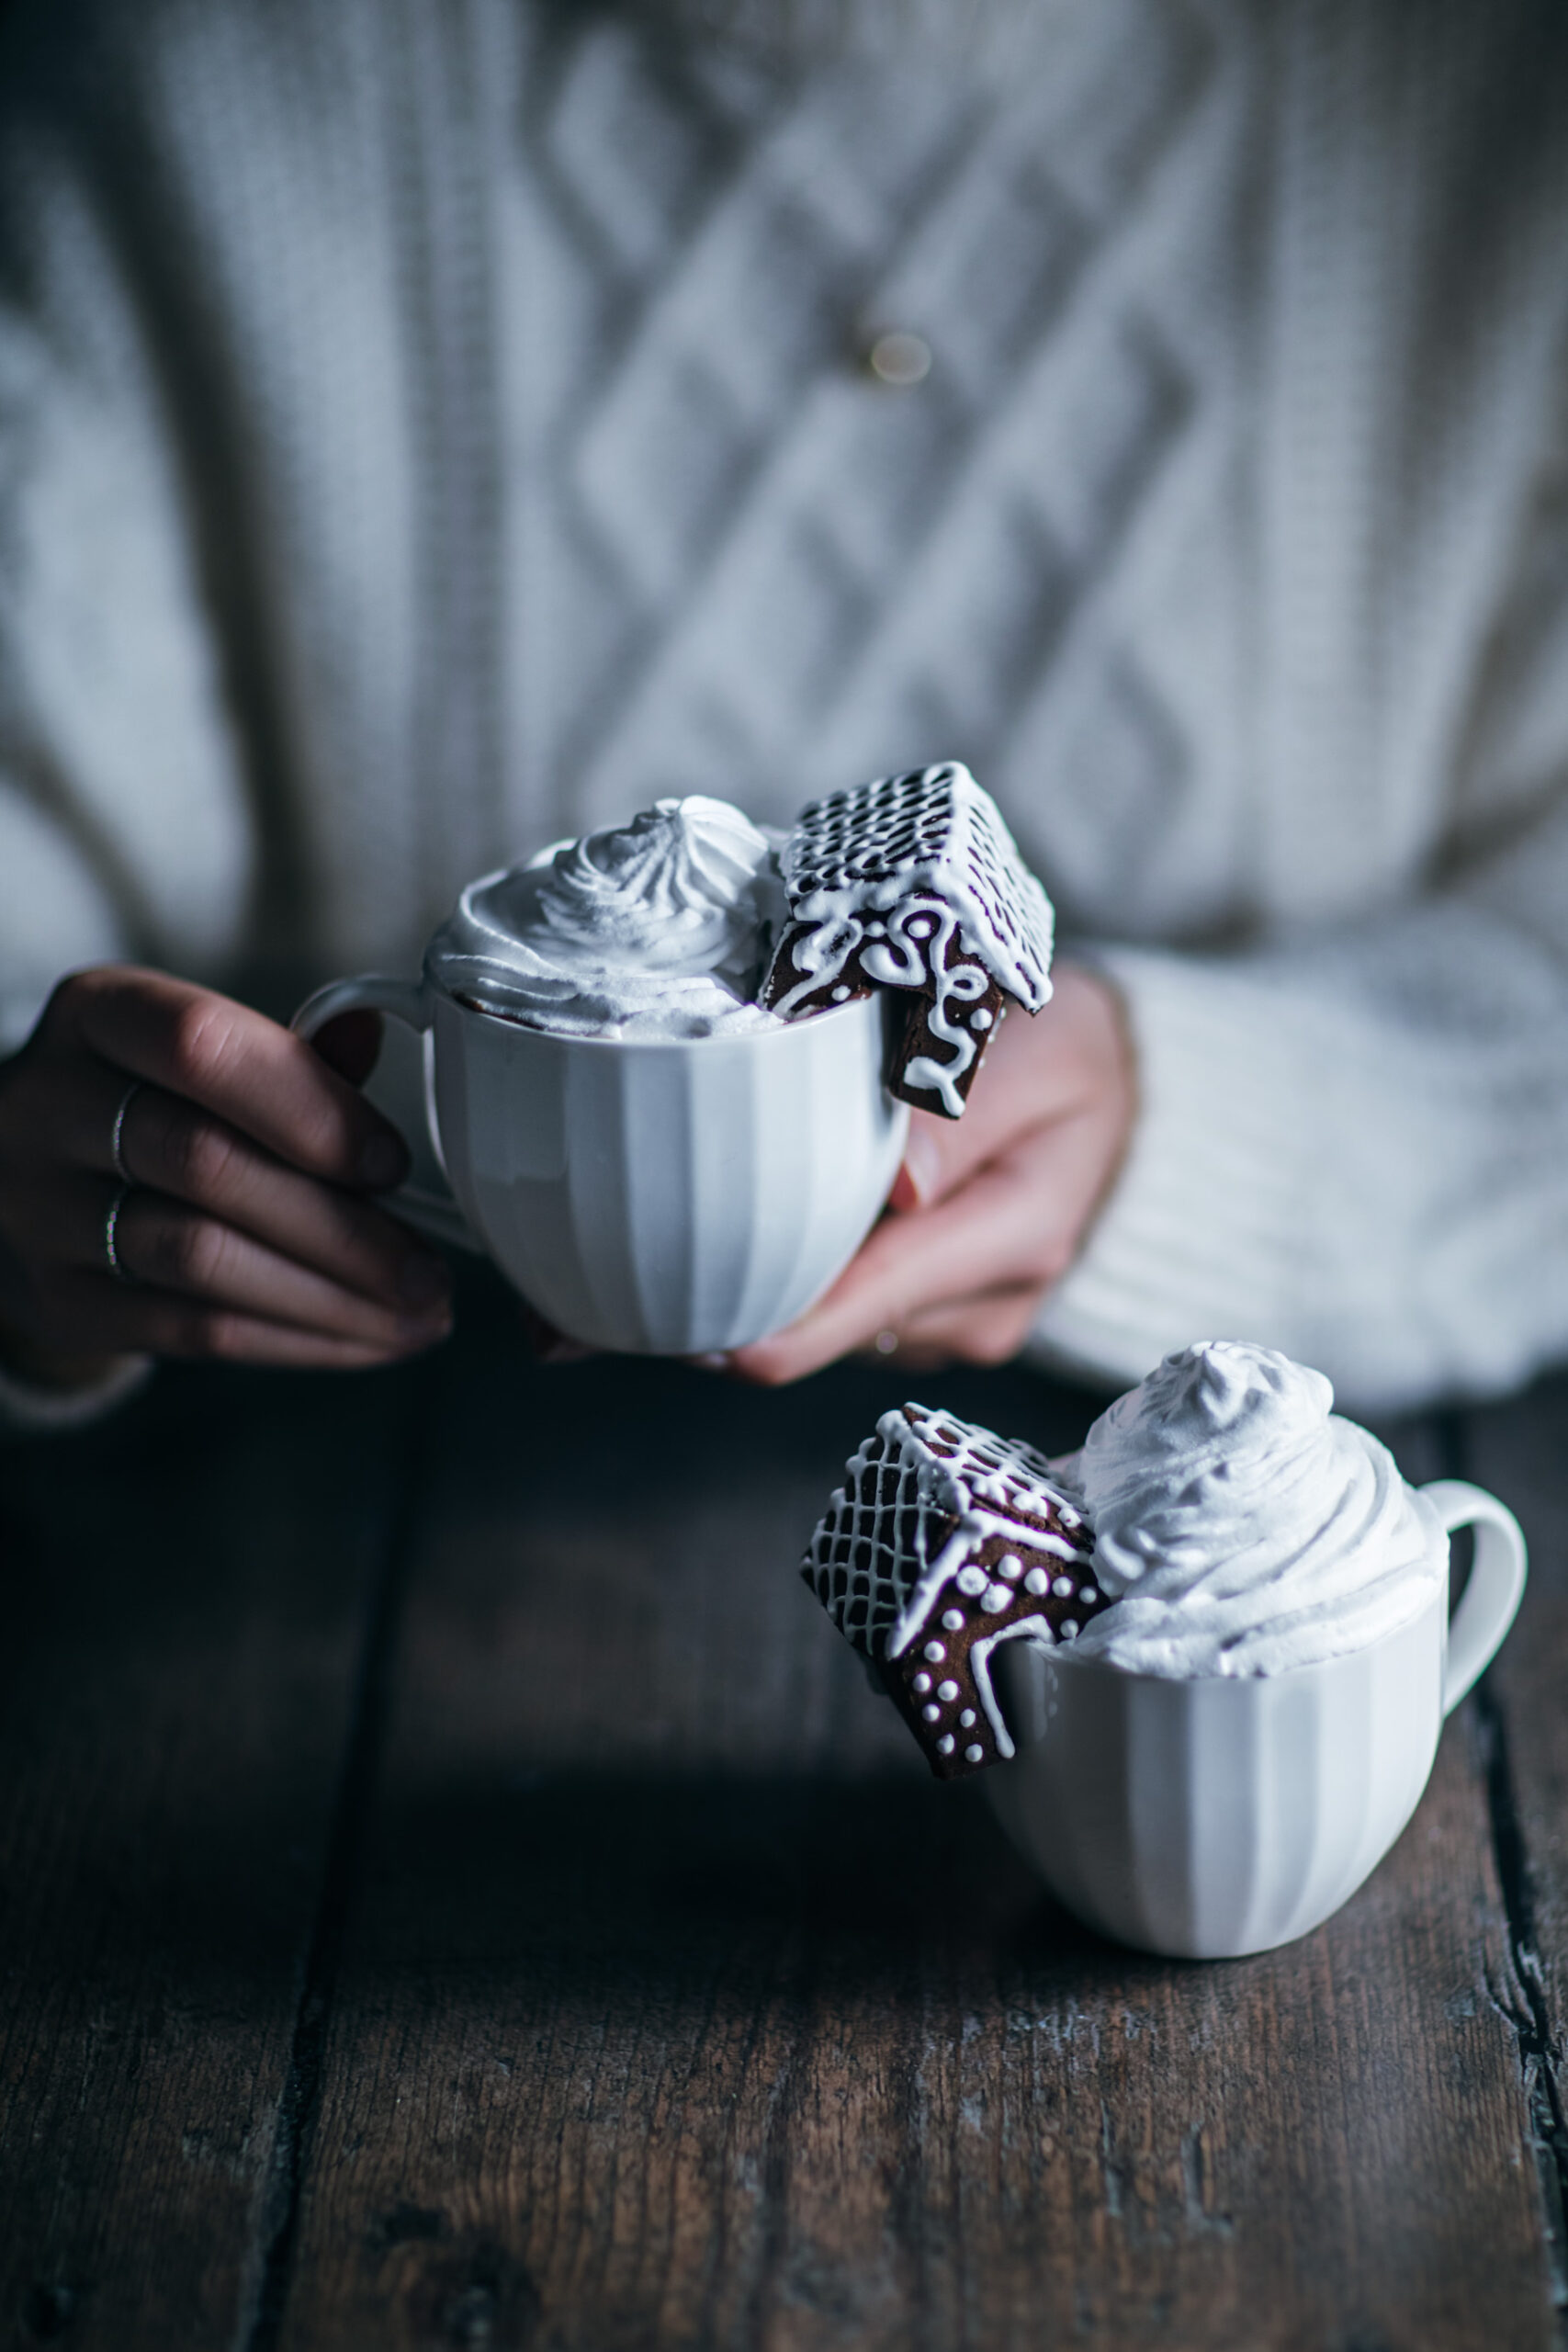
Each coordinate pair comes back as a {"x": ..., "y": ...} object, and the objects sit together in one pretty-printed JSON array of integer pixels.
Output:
[
  {"x": 1219, "y": 1815},
  {"x": 662, "y": 1196}
]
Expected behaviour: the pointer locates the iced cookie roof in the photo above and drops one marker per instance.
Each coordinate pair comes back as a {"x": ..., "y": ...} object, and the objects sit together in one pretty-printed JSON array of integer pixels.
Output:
[
  {"x": 922, "y": 1492},
  {"x": 932, "y": 832}
]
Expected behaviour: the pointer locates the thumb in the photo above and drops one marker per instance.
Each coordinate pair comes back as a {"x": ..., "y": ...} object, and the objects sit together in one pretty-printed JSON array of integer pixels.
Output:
[
  {"x": 938, "y": 1155},
  {"x": 1019, "y": 1078}
]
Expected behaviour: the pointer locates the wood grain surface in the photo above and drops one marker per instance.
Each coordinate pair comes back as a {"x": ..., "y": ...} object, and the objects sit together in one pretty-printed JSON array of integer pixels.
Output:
[
  {"x": 186, "y": 1597},
  {"x": 1520, "y": 1450},
  {"x": 459, "y": 1892}
]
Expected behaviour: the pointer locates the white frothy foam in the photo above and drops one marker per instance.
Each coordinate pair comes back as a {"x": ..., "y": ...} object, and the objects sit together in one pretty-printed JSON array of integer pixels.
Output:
[
  {"x": 661, "y": 928},
  {"x": 1241, "y": 1526}
]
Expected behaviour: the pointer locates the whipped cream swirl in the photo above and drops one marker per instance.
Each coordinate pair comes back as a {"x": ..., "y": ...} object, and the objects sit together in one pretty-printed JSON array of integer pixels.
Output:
[
  {"x": 1242, "y": 1527},
  {"x": 661, "y": 928}
]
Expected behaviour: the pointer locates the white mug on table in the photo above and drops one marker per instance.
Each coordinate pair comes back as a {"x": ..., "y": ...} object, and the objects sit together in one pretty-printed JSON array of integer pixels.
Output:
[{"x": 1218, "y": 1814}]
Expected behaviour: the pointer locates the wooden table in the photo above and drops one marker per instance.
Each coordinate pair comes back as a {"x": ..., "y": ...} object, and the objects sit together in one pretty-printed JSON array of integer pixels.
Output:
[{"x": 458, "y": 1892}]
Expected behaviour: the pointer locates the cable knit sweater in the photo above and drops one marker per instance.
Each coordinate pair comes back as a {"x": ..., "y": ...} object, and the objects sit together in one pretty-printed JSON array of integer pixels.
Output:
[{"x": 425, "y": 432}]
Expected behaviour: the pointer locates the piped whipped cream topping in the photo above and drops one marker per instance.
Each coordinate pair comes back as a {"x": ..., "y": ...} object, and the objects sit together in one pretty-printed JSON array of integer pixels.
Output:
[
  {"x": 661, "y": 928},
  {"x": 1241, "y": 1526}
]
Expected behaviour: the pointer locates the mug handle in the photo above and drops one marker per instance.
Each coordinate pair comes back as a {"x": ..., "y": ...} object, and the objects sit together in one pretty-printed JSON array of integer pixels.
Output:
[
  {"x": 1496, "y": 1580},
  {"x": 409, "y": 1002}
]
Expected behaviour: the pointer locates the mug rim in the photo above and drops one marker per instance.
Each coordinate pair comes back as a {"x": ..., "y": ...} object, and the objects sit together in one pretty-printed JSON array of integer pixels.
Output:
[{"x": 765, "y": 1036}]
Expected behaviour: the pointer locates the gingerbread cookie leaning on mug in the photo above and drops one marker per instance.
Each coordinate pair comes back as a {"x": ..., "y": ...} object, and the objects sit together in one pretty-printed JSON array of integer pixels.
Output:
[{"x": 914, "y": 883}]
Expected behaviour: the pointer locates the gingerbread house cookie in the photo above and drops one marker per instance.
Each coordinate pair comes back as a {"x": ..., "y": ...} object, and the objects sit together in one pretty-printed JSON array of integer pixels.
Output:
[
  {"x": 942, "y": 1542},
  {"x": 913, "y": 882}
]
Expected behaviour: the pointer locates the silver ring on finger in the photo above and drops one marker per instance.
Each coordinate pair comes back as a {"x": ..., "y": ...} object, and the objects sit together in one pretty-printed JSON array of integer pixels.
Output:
[
  {"x": 118, "y": 1266},
  {"x": 117, "y": 1140}
]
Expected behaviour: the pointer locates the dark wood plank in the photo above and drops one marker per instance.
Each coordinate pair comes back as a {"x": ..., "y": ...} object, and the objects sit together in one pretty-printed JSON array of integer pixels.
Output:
[
  {"x": 684, "y": 2009},
  {"x": 184, "y": 1594},
  {"x": 1520, "y": 1450}
]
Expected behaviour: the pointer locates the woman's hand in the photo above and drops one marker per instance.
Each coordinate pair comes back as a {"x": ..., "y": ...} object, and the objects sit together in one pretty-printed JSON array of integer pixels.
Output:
[
  {"x": 989, "y": 1210},
  {"x": 247, "y": 1232}
]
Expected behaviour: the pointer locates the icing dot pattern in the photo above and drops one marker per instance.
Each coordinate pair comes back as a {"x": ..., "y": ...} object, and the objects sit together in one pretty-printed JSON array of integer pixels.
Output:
[
  {"x": 913, "y": 1476},
  {"x": 944, "y": 1536}
]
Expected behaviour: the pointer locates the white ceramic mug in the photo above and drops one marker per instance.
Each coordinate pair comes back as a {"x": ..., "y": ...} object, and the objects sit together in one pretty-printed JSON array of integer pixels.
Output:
[
  {"x": 662, "y": 1196},
  {"x": 1223, "y": 1814}
]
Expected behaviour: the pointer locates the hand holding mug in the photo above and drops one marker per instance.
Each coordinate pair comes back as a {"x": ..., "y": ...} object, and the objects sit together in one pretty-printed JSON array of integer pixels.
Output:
[
  {"x": 232, "y": 1169},
  {"x": 666, "y": 1196},
  {"x": 988, "y": 1210}
]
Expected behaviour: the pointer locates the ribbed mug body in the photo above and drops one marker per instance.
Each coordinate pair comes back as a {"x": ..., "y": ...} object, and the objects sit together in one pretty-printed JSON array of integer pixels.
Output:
[
  {"x": 1219, "y": 1816},
  {"x": 667, "y": 1196}
]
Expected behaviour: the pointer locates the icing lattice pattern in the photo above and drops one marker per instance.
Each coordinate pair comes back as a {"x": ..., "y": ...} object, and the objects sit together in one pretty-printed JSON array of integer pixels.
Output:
[
  {"x": 932, "y": 832},
  {"x": 906, "y": 1491},
  {"x": 1001, "y": 1472}
]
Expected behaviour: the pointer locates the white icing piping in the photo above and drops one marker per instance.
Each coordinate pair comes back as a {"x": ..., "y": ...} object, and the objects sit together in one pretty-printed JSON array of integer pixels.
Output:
[
  {"x": 1035, "y": 1629},
  {"x": 823, "y": 954},
  {"x": 962, "y": 984},
  {"x": 975, "y": 1528},
  {"x": 986, "y": 1523},
  {"x": 927, "y": 1587},
  {"x": 972, "y": 869},
  {"x": 893, "y": 956},
  {"x": 974, "y": 1487},
  {"x": 905, "y": 948}
]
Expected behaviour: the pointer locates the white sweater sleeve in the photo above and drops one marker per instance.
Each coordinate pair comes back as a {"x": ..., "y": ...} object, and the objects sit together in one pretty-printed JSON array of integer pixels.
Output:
[
  {"x": 1355, "y": 1147},
  {"x": 1357, "y": 1152}
]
